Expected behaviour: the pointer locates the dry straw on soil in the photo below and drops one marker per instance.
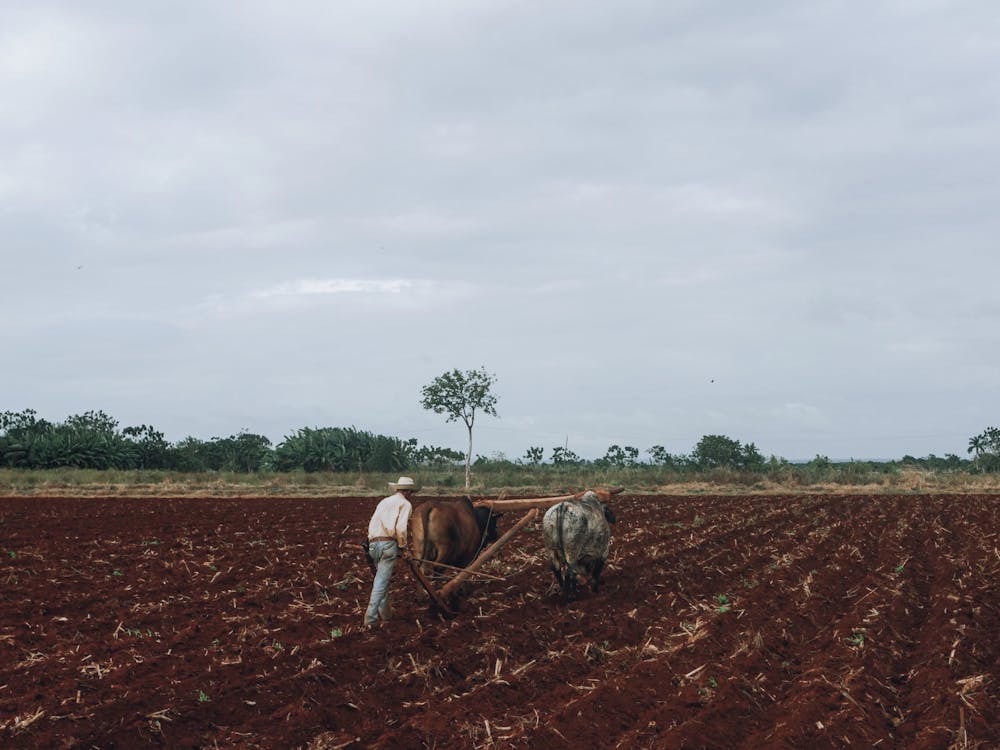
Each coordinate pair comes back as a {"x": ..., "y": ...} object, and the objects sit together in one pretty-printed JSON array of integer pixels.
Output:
[{"x": 21, "y": 483}]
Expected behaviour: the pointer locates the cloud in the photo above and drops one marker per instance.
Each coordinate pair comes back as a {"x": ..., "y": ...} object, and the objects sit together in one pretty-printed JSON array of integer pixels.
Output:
[
  {"x": 794, "y": 416},
  {"x": 310, "y": 287},
  {"x": 381, "y": 301},
  {"x": 611, "y": 205}
]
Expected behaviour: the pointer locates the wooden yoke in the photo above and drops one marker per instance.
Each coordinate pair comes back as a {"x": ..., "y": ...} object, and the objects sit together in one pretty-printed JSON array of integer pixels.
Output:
[
  {"x": 542, "y": 503},
  {"x": 487, "y": 554},
  {"x": 528, "y": 503}
]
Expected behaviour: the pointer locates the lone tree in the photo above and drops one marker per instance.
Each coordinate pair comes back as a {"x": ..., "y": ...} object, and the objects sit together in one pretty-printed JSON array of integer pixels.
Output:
[{"x": 458, "y": 395}]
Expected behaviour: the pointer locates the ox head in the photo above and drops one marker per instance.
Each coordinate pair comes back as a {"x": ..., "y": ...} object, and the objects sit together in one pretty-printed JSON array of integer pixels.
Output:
[
  {"x": 486, "y": 520},
  {"x": 599, "y": 499},
  {"x": 605, "y": 496}
]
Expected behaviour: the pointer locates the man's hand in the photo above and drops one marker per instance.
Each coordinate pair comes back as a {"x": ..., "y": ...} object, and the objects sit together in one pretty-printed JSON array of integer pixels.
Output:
[{"x": 368, "y": 557}]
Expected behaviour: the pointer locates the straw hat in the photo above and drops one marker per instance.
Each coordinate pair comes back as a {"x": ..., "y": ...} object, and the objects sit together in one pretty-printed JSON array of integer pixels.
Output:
[{"x": 404, "y": 483}]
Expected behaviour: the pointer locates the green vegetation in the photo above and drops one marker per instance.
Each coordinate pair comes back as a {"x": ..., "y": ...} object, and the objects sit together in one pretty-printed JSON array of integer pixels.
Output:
[
  {"x": 94, "y": 441},
  {"x": 91, "y": 452},
  {"x": 495, "y": 475},
  {"x": 341, "y": 449},
  {"x": 715, "y": 451},
  {"x": 986, "y": 449}
]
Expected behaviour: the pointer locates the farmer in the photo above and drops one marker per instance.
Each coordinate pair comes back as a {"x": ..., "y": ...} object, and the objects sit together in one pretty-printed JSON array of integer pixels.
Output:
[{"x": 386, "y": 537}]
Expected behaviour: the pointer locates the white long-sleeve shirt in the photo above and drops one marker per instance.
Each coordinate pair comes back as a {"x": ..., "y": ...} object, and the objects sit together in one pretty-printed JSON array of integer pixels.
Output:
[{"x": 390, "y": 518}]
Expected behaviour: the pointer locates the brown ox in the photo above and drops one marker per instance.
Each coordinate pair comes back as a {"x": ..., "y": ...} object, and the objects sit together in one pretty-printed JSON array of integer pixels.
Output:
[{"x": 451, "y": 532}]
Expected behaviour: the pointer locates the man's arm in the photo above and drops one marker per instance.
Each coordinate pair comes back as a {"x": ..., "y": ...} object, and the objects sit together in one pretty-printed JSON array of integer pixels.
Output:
[{"x": 402, "y": 523}]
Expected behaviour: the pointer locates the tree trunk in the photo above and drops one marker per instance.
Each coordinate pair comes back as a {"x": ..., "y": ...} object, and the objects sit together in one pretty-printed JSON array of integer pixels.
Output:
[{"x": 468, "y": 460}]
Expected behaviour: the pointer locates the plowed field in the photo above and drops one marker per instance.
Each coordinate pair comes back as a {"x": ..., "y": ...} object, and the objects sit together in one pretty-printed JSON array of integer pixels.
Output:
[{"x": 725, "y": 622}]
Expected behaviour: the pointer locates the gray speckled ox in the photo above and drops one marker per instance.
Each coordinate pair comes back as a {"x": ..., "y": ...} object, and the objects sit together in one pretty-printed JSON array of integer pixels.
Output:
[{"x": 577, "y": 536}]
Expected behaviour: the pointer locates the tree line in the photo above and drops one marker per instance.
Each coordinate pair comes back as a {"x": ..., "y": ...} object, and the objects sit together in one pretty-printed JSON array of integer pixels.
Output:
[
  {"x": 95, "y": 440},
  {"x": 722, "y": 452}
]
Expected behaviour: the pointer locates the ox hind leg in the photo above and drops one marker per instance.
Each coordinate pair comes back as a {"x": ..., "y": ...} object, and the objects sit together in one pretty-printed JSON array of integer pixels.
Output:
[
  {"x": 557, "y": 573},
  {"x": 597, "y": 567},
  {"x": 555, "y": 565},
  {"x": 565, "y": 577},
  {"x": 569, "y": 586}
]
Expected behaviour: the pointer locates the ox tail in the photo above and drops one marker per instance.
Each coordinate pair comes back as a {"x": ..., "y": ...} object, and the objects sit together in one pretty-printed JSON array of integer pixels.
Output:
[
  {"x": 429, "y": 549},
  {"x": 569, "y": 574},
  {"x": 419, "y": 541}
]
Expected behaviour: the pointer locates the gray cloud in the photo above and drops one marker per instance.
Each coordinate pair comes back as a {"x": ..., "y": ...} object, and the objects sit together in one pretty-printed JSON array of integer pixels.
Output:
[{"x": 215, "y": 219}]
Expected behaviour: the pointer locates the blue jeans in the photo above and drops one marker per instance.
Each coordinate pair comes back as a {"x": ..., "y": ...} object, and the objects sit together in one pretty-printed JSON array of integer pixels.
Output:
[{"x": 384, "y": 555}]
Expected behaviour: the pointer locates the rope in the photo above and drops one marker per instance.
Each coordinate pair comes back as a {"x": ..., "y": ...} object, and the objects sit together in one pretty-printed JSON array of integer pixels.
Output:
[
  {"x": 486, "y": 530},
  {"x": 469, "y": 572}
]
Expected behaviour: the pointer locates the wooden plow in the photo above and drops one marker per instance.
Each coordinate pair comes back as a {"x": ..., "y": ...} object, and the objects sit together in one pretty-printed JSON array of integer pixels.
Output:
[{"x": 533, "y": 506}]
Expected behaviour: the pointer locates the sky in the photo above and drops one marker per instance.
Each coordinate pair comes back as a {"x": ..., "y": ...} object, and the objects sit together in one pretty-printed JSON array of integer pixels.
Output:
[{"x": 652, "y": 220}]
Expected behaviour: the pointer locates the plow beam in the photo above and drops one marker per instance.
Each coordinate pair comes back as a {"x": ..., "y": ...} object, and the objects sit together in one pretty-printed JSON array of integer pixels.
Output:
[{"x": 428, "y": 586}]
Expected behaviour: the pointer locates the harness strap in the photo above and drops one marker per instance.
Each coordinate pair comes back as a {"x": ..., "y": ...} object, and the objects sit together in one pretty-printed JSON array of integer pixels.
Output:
[{"x": 486, "y": 530}]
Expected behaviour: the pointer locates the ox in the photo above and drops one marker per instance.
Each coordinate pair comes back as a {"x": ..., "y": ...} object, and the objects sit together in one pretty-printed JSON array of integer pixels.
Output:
[
  {"x": 577, "y": 536},
  {"x": 451, "y": 532}
]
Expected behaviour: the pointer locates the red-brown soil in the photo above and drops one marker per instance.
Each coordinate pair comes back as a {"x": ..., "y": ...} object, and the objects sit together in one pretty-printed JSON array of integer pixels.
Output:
[{"x": 725, "y": 622}]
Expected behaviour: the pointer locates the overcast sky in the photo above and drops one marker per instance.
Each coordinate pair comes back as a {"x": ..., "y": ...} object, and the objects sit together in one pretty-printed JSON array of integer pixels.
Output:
[{"x": 652, "y": 220}]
